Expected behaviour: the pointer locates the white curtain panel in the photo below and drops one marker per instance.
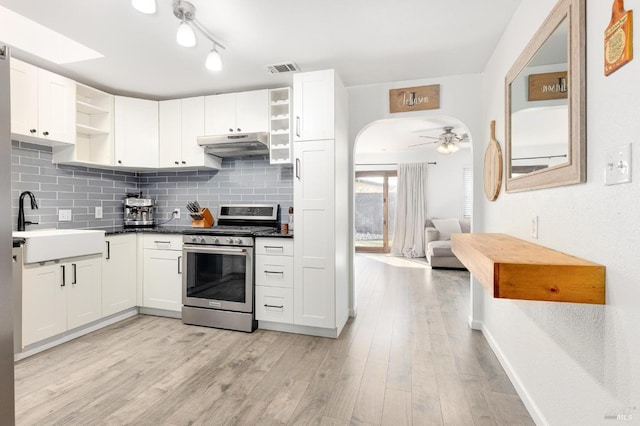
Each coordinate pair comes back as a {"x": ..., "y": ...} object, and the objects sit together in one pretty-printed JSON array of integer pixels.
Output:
[{"x": 411, "y": 208}]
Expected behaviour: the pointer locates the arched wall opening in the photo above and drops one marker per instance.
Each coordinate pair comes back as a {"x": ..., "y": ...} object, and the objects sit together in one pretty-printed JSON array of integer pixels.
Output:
[{"x": 384, "y": 143}]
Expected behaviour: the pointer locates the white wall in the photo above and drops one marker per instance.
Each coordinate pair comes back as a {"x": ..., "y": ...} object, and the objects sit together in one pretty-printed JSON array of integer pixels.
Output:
[
  {"x": 572, "y": 362},
  {"x": 460, "y": 97},
  {"x": 445, "y": 192}
]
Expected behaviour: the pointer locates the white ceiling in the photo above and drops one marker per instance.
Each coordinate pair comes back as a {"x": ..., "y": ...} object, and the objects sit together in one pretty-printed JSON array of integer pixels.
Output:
[
  {"x": 366, "y": 41},
  {"x": 400, "y": 134}
]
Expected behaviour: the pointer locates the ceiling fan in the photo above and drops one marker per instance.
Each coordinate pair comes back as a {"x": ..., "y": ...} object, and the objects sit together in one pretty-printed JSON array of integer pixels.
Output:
[{"x": 448, "y": 141}]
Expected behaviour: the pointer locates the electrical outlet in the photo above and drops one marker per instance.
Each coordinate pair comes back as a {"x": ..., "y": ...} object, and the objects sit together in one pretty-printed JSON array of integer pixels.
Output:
[
  {"x": 534, "y": 227},
  {"x": 98, "y": 213},
  {"x": 64, "y": 215},
  {"x": 176, "y": 213}
]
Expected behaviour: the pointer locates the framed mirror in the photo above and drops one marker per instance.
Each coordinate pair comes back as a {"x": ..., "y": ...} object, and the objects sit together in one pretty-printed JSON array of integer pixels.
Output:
[{"x": 545, "y": 105}]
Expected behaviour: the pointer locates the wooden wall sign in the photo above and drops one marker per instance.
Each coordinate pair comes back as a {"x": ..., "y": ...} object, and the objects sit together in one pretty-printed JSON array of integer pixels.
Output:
[
  {"x": 618, "y": 38},
  {"x": 550, "y": 85},
  {"x": 414, "y": 98}
]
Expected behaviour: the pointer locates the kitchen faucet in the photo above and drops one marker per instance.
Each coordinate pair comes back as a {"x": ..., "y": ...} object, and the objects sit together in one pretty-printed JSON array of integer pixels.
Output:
[{"x": 34, "y": 205}]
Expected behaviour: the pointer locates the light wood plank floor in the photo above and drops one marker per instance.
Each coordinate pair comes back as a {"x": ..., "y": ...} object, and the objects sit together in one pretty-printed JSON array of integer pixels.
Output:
[{"x": 408, "y": 358}]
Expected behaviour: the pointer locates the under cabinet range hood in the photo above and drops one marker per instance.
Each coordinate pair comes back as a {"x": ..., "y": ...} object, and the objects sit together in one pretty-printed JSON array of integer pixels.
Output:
[{"x": 235, "y": 144}]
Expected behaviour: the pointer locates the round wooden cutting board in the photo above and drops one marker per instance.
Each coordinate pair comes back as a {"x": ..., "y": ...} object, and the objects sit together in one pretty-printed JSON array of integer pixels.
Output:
[{"x": 492, "y": 174}]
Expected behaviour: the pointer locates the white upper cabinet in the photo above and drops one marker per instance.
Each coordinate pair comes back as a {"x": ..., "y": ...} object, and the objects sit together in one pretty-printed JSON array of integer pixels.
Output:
[
  {"x": 181, "y": 122},
  {"x": 42, "y": 104},
  {"x": 170, "y": 124},
  {"x": 314, "y": 105},
  {"x": 136, "y": 132},
  {"x": 94, "y": 130},
  {"x": 243, "y": 112}
]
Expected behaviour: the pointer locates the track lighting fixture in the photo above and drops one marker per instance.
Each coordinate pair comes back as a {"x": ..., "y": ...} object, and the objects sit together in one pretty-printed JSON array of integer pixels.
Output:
[
  {"x": 147, "y": 7},
  {"x": 214, "y": 62},
  {"x": 186, "y": 36}
]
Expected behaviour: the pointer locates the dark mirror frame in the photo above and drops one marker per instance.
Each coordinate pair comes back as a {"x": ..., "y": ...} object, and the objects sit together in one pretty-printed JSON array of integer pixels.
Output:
[{"x": 575, "y": 169}]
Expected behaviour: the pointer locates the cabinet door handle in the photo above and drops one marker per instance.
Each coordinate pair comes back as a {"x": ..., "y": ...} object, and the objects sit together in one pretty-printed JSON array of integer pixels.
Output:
[
  {"x": 175, "y": 162},
  {"x": 230, "y": 129},
  {"x": 297, "y": 125},
  {"x": 32, "y": 131},
  {"x": 108, "y": 249},
  {"x": 63, "y": 276},
  {"x": 298, "y": 168},
  {"x": 179, "y": 262},
  {"x": 75, "y": 274},
  {"x": 274, "y": 247},
  {"x": 274, "y": 272},
  {"x": 45, "y": 133},
  {"x": 274, "y": 306}
]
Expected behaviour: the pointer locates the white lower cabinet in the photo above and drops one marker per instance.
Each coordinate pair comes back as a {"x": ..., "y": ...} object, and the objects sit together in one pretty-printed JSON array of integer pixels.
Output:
[
  {"x": 274, "y": 304},
  {"x": 162, "y": 272},
  {"x": 119, "y": 274},
  {"x": 57, "y": 297},
  {"x": 274, "y": 280}
]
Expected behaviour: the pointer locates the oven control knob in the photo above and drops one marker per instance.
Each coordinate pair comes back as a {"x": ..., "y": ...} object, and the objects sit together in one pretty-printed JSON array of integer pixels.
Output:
[
  {"x": 194, "y": 239},
  {"x": 230, "y": 240},
  {"x": 202, "y": 240},
  {"x": 239, "y": 241},
  {"x": 214, "y": 240}
]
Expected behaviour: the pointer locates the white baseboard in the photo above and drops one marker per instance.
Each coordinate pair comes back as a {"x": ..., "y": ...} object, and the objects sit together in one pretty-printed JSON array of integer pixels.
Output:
[
  {"x": 475, "y": 324},
  {"x": 353, "y": 312},
  {"x": 74, "y": 334},
  {"x": 298, "y": 329},
  {"x": 532, "y": 407},
  {"x": 161, "y": 313}
]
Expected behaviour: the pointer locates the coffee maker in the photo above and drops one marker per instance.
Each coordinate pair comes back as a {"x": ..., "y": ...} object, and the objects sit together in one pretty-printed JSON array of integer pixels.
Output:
[{"x": 138, "y": 211}]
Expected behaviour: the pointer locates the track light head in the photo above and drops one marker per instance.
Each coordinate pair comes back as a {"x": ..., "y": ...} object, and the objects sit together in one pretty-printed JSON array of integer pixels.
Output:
[
  {"x": 185, "y": 36},
  {"x": 214, "y": 61},
  {"x": 148, "y": 7}
]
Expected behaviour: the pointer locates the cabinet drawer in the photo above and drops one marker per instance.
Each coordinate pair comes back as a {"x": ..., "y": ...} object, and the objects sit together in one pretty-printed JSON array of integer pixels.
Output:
[
  {"x": 276, "y": 246},
  {"x": 163, "y": 241},
  {"x": 274, "y": 271},
  {"x": 274, "y": 304}
]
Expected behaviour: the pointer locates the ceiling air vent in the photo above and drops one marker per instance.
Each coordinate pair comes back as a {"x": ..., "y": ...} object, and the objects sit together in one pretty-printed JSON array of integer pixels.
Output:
[{"x": 281, "y": 68}]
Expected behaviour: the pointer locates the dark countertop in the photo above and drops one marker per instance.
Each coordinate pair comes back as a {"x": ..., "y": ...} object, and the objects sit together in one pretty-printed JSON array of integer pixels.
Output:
[
  {"x": 17, "y": 242},
  {"x": 274, "y": 234},
  {"x": 114, "y": 230}
]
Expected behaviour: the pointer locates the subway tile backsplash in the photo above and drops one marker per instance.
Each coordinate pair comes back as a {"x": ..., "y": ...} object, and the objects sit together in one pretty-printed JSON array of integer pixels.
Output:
[
  {"x": 249, "y": 180},
  {"x": 79, "y": 189},
  {"x": 243, "y": 180}
]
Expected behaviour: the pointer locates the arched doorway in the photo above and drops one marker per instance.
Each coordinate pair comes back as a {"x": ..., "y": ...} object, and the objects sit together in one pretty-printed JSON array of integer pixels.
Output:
[{"x": 383, "y": 144}]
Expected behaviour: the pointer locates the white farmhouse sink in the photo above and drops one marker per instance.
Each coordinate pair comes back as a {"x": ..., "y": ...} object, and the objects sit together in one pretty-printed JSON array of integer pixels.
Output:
[{"x": 52, "y": 244}]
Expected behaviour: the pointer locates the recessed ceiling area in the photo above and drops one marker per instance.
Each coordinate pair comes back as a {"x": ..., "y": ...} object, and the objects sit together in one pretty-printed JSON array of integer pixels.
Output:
[{"x": 366, "y": 41}]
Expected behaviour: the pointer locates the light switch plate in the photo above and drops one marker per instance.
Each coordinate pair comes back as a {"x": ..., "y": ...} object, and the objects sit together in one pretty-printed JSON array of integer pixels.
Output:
[
  {"x": 98, "y": 213},
  {"x": 64, "y": 215},
  {"x": 618, "y": 165}
]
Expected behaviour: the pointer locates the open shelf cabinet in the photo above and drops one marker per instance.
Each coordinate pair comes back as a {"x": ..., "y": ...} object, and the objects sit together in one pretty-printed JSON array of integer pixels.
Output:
[
  {"x": 94, "y": 129},
  {"x": 280, "y": 145}
]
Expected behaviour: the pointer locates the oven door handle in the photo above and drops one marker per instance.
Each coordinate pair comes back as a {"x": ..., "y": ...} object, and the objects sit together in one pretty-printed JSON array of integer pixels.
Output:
[{"x": 216, "y": 250}]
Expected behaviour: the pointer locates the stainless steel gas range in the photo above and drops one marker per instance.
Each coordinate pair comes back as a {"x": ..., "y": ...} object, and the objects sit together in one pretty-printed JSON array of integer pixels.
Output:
[{"x": 218, "y": 265}]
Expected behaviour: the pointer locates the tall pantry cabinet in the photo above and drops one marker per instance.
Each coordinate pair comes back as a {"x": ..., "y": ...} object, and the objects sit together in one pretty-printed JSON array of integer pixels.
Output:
[{"x": 321, "y": 199}]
